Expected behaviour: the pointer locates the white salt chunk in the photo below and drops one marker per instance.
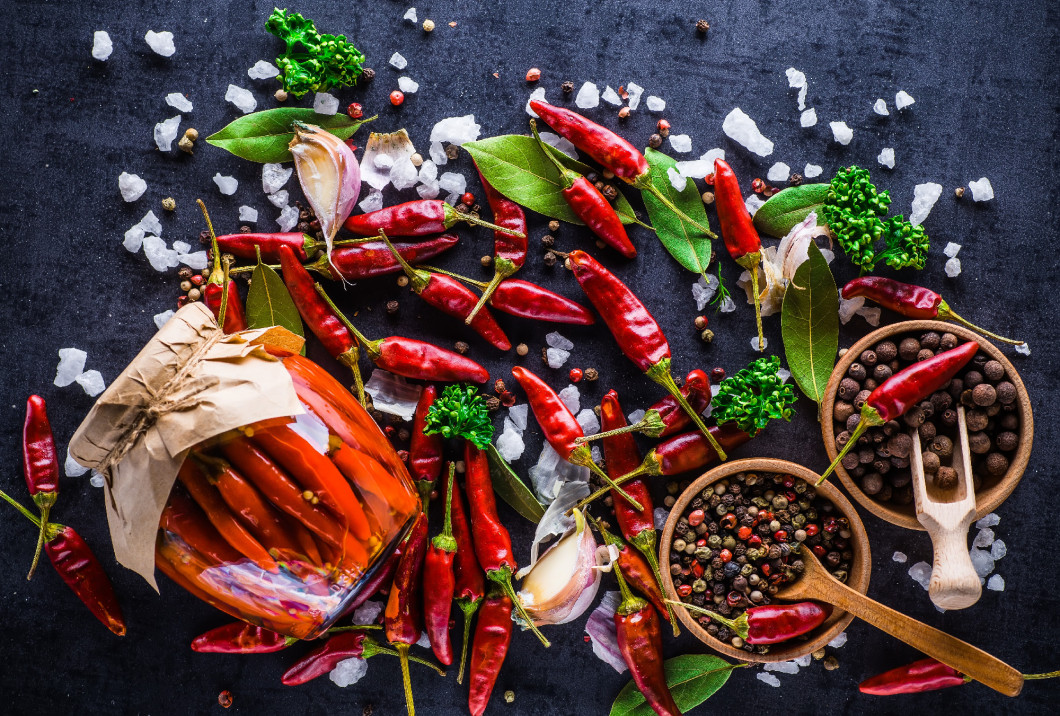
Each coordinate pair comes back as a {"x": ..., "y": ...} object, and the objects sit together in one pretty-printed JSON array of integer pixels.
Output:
[
  {"x": 165, "y": 132},
  {"x": 903, "y": 100},
  {"x": 424, "y": 642},
  {"x": 982, "y": 561},
  {"x": 195, "y": 260},
  {"x": 150, "y": 224},
  {"x": 510, "y": 443},
  {"x": 161, "y": 42},
  {"x": 588, "y": 420},
  {"x": 181, "y": 247},
  {"x": 848, "y": 307},
  {"x": 101, "y": 45},
  {"x": 457, "y": 130},
  {"x": 162, "y": 318},
  {"x": 742, "y": 129},
  {"x": 655, "y": 104},
  {"x": 398, "y": 61},
  {"x": 561, "y": 143},
  {"x": 274, "y": 177},
  {"x": 635, "y": 416},
  {"x": 677, "y": 181},
  {"x": 871, "y": 315},
  {"x": 518, "y": 414},
  {"x": 428, "y": 190},
  {"x": 325, "y": 103},
  {"x": 804, "y": 660},
  {"x": 288, "y": 218},
  {"x": 921, "y": 574},
  {"x": 778, "y": 172},
  {"x": 755, "y": 343},
  {"x": 243, "y": 99},
  {"x": 131, "y": 186},
  {"x": 924, "y": 197},
  {"x": 96, "y": 480},
  {"x": 367, "y": 613},
  {"x": 588, "y": 96},
  {"x": 393, "y": 394},
  {"x": 557, "y": 340},
  {"x": 841, "y": 132},
  {"x": 989, "y": 520},
  {"x": 1023, "y": 348},
  {"x": 886, "y": 157},
  {"x": 769, "y": 679},
  {"x": 178, "y": 102},
  {"x": 263, "y": 70},
  {"x": 880, "y": 108},
  {"x": 985, "y": 538},
  {"x": 160, "y": 256},
  {"x": 998, "y": 549},
  {"x": 71, "y": 365},
  {"x": 538, "y": 94},
  {"x": 383, "y": 161},
  {"x": 134, "y": 238},
  {"x": 404, "y": 175},
  {"x": 981, "y": 190},
  {"x": 635, "y": 91},
  {"x": 900, "y": 557},
  {"x": 73, "y": 468},
  {"x": 812, "y": 170},
  {"x": 248, "y": 213},
  {"x": 808, "y": 118},
  {"x": 372, "y": 202},
  {"x": 660, "y": 516},
  {"x": 797, "y": 80},
  {"x": 996, "y": 583},
  {"x": 953, "y": 267},
  {"x": 753, "y": 204},
  {"x": 453, "y": 183},
  {"x": 428, "y": 171},
  {"x": 410, "y": 15},
  {"x": 349, "y": 672},
  {"x": 226, "y": 185},
  {"x": 727, "y": 305},
  {"x": 952, "y": 250},
  {"x": 408, "y": 85},
  {"x": 556, "y": 357},
  {"x": 597, "y": 454},
  {"x": 703, "y": 290},
  {"x": 610, "y": 96},
  {"x": 840, "y": 641},
  {"x": 783, "y": 667},
  {"x": 92, "y": 382},
  {"x": 571, "y": 397},
  {"x": 681, "y": 143},
  {"x": 279, "y": 199},
  {"x": 783, "y": 374}
]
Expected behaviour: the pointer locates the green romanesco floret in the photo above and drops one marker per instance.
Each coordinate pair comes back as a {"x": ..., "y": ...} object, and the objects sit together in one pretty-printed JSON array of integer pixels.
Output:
[
  {"x": 312, "y": 61},
  {"x": 460, "y": 411},
  {"x": 754, "y": 396}
]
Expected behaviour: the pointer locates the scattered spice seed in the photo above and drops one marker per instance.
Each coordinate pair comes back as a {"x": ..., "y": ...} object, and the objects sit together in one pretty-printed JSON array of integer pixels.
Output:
[
  {"x": 493, "y": 403},
  {"x": 958, "y": 192},
  {"x": 403, "y": 281},
  {"x": 225, "y": 699},
  {"x": 507, "y": 399},
  {"x": 461, "y": 347},
  {"x": 708, "y": 197},
  {"x": 428, "y": 25},
  {"x": 831, "y": 663},
  {"x": 392, "y": 307},
  {"x": 522, "y": 349},
  {"x": 499, "y": 386},
  {"x": 548, "y": 240},
  {"x": 416, "y": 159},
  {"x": 624, "y": 112},
  {"x": 169, "y": 203},
  {"x": 509, "y": 696},
  {"x": 567, "y": 87},
  {"x": 591, "y": 374},
  {"x": 576, "y": 375},
  {"x": 550, "y": 259},
  {"x": 553, "y": 225},
  {"x": 280, "y": 95},
  {"x": 702, "y": 26},
  {"x": 533, "y": 74},
  {"x": 469, "y": 199},
  {"x": 368, "y": 75},
  {"x": 707, "y": 336},
  {"x": 486, "y": 261},
  {"x": 354, "y": 110},
  {"x": 701, "y": 322},
  {"x": 397, "y": 97},
  {"x": 452, "y": 152},
  {"x": 664, "y": 128},
  {"x": 655, "y": 141},
  {"x": 795, "y": 179},
  {"x": 184, "y": 272}
]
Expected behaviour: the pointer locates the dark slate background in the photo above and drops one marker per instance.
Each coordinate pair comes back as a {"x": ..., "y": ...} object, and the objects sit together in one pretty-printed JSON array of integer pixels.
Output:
[{"x": 984, "y": 78}]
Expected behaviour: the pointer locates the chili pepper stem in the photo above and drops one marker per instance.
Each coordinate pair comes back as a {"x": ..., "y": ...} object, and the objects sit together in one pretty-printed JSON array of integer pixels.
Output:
[
  {"x": 650, "y": 425},
  {"x": 750, "y": 263},
  {"x": 459, "y": 277},
  {"x": 646, "y": 468},
  {"x": 1049, "y": 675},
  {"x": 503, "y": 577},
  {"x": 403, "y": 655},
  {"x": 445, "y": 541},
  {"x": 947, "y": 314},
  {"x": 458, "y": 216},
  {"x": 581, "y": 456},
  {"x": 645, "y": 541},
  {"x": 351, "y": 360},
  {"x": 353, "y": 627},
  {"x": 863, "y": 425},
  {"x": 738, "y": 625},
  {"x": 644, "y": 183},
  {"x": 660, "y": 373},
  {"x": 469, "y": 609},
  {"x": 369, "y": 345},
  {"x": 18, "y": 506},
  {"x": 418, "y": 278},
  {"x": 503, "y": 269},
  {"x": 224, "y": 292},
  {"x": 45, "y": 510},
  {"x": 250, "y": 269}
]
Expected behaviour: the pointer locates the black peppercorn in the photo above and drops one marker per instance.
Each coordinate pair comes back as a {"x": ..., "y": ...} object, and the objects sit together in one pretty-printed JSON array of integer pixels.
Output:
[
  {"x": 655, "y": 141},
  {"x": 567, "y": 87}
]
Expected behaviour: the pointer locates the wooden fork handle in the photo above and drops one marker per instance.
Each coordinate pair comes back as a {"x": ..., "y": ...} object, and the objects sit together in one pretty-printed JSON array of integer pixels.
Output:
[
  {"x": 962, "y": 656},
  {"x": 954, "y": 583}
]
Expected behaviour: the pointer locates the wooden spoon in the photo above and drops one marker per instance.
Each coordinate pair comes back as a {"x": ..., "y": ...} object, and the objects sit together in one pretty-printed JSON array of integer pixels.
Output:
[{"x": 818, "y": 584}]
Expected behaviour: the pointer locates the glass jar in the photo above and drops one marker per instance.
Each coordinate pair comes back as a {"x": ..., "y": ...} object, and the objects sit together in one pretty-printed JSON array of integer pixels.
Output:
[{"x": 280, "y": 523}]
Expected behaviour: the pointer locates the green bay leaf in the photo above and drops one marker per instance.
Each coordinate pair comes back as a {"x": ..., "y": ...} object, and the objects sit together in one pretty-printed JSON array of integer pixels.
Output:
[
  {"x": 687, "y": 244},
  {"x": 511, "y": 489},
  {"x": 270, "y": 304},
  {"x": 263, "y": 136},
  {"x": 692, "y": 678},
  {"x": 788, "y": 207},
  {"x": 809, "y": 324}
]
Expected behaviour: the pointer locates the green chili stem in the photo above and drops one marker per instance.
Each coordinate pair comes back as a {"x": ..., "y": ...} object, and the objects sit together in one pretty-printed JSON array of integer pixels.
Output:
[
  {"x": 651, "y": 425},
  {"x": 947, "y": 313},
  {"x": 660, "y": 373},
  {"x": 503, "y": 577},
  {"x": 863, "y": 425},
  {"x": 18, "y": 506},
  {"x": 583, "y": 457}
]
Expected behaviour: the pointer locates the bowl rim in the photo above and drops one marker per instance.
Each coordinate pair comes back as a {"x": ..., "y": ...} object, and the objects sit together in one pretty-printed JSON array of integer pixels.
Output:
[
  {"x": 986, "y": 501},
  {"x": 860, "y": 570}
]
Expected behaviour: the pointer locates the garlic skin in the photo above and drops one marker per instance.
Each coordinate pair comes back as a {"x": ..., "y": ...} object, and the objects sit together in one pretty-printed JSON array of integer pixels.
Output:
[
  {"x": 565, "y": 580},
  {"x": 780, "y": 263},
  {"x": 329, "y": 175}
]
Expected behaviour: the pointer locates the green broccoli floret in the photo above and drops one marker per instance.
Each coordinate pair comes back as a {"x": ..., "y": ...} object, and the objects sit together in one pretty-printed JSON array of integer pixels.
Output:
[
  {"x": 754, "y": 396},
  {"x": 312, "y": 61}
]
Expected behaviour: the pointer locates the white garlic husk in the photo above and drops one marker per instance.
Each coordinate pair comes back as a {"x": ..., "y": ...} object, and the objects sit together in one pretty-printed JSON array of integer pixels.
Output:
[
  {"x": 779, "y": 264},
  {"x": 329, "y": 175},
  {"x": 564, "y": 582}
]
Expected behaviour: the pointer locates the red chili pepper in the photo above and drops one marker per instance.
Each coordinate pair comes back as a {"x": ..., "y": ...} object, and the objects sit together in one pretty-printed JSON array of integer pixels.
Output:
[
  {"x": 452, "y": 297},
  {"x": 923, "y": 675},
  {"x": 344, "y": 645},
  {"x": 590, "y": 205},
  {"x": 425, "y": 451},
  {"x": 493, "y": 544},
  {"x": 741, "y": 238},
  {"x": 910, "y": 301},
  {"x": 509, "y": 246},
  {"x": 403, "y": 617},
  {"x": 40, "y": 464},
  {"x": 771, "y": 623},
  {"x": 493, "y": 635},
  {"x": 909, "y": 386},
  {"x": 439, "y": 576},
  {"x": 246, "y": 246},
  {"x": 415, "y": 218},
  {"x": 696, "y": 391},
  {"x": 373, "y": 258},
  {"x": 470, "y": 587},
  {"x": 240, "y": 638},
  {"x": 185, "y": 519},
  {"x": 220, "y": 293},
  {"x": 638, "y": 335},
  {"x": 378, "y": 580},
  {"x": 638, "y": 572},
  {"x": 561, "y": 428},
  {"x": 640, "y": 643}
]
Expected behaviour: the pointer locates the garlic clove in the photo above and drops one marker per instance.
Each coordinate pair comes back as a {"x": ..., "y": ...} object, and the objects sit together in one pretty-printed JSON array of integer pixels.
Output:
[
  {"x": 563, "y": 583},
  {"x": 329, "y": 175}
]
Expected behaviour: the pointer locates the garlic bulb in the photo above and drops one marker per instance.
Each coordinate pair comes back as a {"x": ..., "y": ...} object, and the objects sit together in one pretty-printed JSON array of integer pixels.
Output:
[
  {"x": 563, "y": 583},
  {"x": 329, "y": 174}
]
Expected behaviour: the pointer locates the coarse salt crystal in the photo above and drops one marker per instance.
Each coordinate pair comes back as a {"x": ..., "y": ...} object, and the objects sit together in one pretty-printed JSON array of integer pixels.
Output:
[
  {"x": 161, "y": 42},
  {"x": 840, "y": 641},
  {"x": 880, "y": 108},
  {"x": 886, "y": 157},
  {"x": 372, "y": 202},
  {"x": 588, "y": 96},
  {"x": 953, "y": 267},
  {"x": 165, "y": 132},
  {"x": 610, "y": 96},
  {"x": 519, "y": 414},
  {"x": 635, "y": 91},
  {"x": 989, "y": 520},
  {"x": 783, "y": 667},
  {"x": 655, "y": 104},
  {"x": 101, "y": 45},
  {"x": 571, "y": 397},
  {"x": 812, "y": 170},
  {"x": 248, "y": 213},
  {"x": 769, "y": 679},
  {"x": 808, "y": 118},
  {"x": 982, "y": 562},
  {"x": 195, "y": 260},
  {"x": 428, "y": 190},
  {"x": 325, "y": 103},
  {"x": 408, "y": 85},
  {"x": 71, "y": 364},
  {"x": 456, "y": 130},
  {"x": 660, "y": 515},
  {"x": 263, "y": 70},
  {"x": 636, "y": 416},
  {"x": 243, "y": 99},
  {"x": 348, "y": 672},
  {"x": 681, "y": 143},
  {"x": 452, "y": 182},
  {"x": 538, "y": 94},
  {"x": 398, "y": 61},
  {"x": 779, "y": 172},
  {"x": 998, "y": 549},
  {"x": 274, "y": 176},
  {"x": 841, "y": 132},
  {"x": 1023, "y": 348},
  {"x": 428, "y": 171},
  {"x": 755, "y": 343},
  {"x": 227, "y": 185},
  {"x": 924, "y": 197},
  {"x": 871, "y": 315},
  {"x": 921, "y": 574},
  {"x": 178, "y": 102},
  {"x": 981, "y": 190},
  {"x": 92, "y": 382},
  {"x": 588, "y": 421},
  {"x": 727, "y": 305},
  {"x": 677, "y": 181},
  {"x": 131, "y": 186},
  {"x": 903, "y": 100},
  {"x": 288, "y": 218},
  {"x": 410, "y": 15},
  {"x": 900, "y": 557},
  {"x": 797, "y": 80},
  {"x": 162, "y": 318},
  {"x": 804, "y": 660},
  {"x": 279, "y": 199},
  {"x": 404, "y": 175},
  {"x": 367, "y": 613},
  {"x": 783, "y": 374},
  {"x": 753, "y": 204},
  {"x": 561, "y": 143},
  {"x": 742, "y": 129},
  {"x": 510, "y": 443},
  {"x": 703, "y": 290},
  {"x": 181, "y": 247},
  {"x": 73, "y": 468},
  {"x": 96, "y": 480},
  {"x": 160, "y": 256},
  {"x": 383, "y": 161},
  {"x": 556, "y": 357},
  {"x": 985, "y": 538},
  {"x": 996, "y": 583},
  {"x": 556, "y": 340},
  {"x": 952, "y": 250}
]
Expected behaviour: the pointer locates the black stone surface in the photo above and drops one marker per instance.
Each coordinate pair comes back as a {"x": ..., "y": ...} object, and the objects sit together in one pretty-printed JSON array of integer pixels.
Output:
[{"x": 984, "y": 78}]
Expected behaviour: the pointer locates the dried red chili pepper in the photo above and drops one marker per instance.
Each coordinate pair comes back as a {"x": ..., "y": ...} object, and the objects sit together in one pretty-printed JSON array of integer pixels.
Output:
[
  {"x": 372, "y": 258},
  {"x": 924, "y": 675},
  {"x": 470, "y": 586},
  {"x": 771, "y": 623},
  {"x": 493, "y": 635},
  {"x": 220, "y": 293},
  {"x": 903, "y": 390},
  {"x": 741, "y": 238},
  {"x": 590, "y": 205},
  {"x": 440, "y": 579},
  {"x": 416, "y": 218},
  {"x": 638, "y": 335},
  {"x": 911, "y": 301},
  {"x": 638, "y": 572},
  {"x": 240, "y": 638},
  {"x": 325, "y": 325},
  {"x": 415, "y": 359},
  {"x": 610, "y": 150},
  {"x": 493, "y": 544},
  {"x": 403, "y": 616},
  {"x": 509, "y": 248},
  {"x": 425, "y": 451},
  {"x": 247, "y": 246},
  {"x": 451, "y": 297},
  {"x": 640, "y": 643},
  {"x": 40, "y": 464},
  {"x": 561, "y": 428},
  {"x": 352, "y": 644},
  {"x": 666, "y": 417}
]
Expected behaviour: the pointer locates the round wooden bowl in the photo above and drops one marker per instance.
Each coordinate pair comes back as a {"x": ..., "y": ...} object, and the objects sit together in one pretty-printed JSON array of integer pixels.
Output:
[
  {"x": 859, "y": 569},
  {"x": 994, "y": 491}
]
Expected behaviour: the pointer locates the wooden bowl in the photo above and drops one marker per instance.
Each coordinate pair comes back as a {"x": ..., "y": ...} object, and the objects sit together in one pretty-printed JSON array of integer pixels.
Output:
[
  {"x": 860, "y": 566},
  {"x": 994, "y": 491}
]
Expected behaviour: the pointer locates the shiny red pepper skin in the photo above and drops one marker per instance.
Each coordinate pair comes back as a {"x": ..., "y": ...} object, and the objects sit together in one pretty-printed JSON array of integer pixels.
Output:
[
  {"x": 774, "y": 623},
  {"x": 322, "y": 321},
  {"x": 425, "y": 451},
  {"x": 83, "y": 573},
  {"x": 920, "y": 676},
  {"x": 240, "y": 638},
  {"x": 640, "y": 642},
  {"x": 600, "y": 143},
  {"x": 261, "y": 517},
  {"x": 320, "y": 661},
  {"x": 493, "y": 635},
  {"x": 560, "y": 426},
  {"x": 403, "y": 617},
  {"x": 691, "y": 451},
  {"x": 235, "y": 315},
  {"x": 413, "y": 218},
  {"x": 423, "y": 361},
  {"x": 696, "y": 391},
  {"x": 638, "y": 574},
  {"x": 896, "y": 395},
  {"x": 589, "y": 205},
  {"x": 470, "y": 581},
  {"x": 622, "y": 456},
  {"x": 380, "y": 580},
  {"x": 528, "y": 300},
  {"x": 636, "y": 331},
  {"x": 40, "y": 460},
  {"x": 741, "y": 238},
  {"x": 506, "y": 213},
  {"x": 245, "y": 246},
  {"x": 903, "y": 298},
  {"x": 440, "y": 587},
  {"x": 493, "y": 544},
  {"x": 454, "y": 298},
  {"x": 373, "y": 258}
]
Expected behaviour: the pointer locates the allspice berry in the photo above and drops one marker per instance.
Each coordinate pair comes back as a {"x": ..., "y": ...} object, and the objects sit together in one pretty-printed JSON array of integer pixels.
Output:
[
  {"x": 848, "y": 388},
  {"x": 1008, "y": 441},
  {"x": 948, "y": 341},
  {"x": 946, "y": 478},
  {"x": 392, "y": 307},
  {"x": 857, "y": 372},
  {"x": 708, "y": 197},
  {"x": 842, "y": 410},
  {"x": 1006, "y": 393},
  {"x": 522, "y": 349},
  {"x": 868, "y": 358},
  {"x": 994, "y": 371},
  {"x": 942, "y": 446},
  {"x": 908, "y": 349},
  {"x": 979, "y": 443},
  {"x": 872, "y": 483},
  {"x": 930, "y": 340},
  {"x": 900, "y": 444},
  {"x": 931, "y": 462},
  {"x": 886, "y": 352},
  {"x": 702, "y": 26},
  {"x": 976, "y": 420},
  {"x": 461, "y": 347},
  {"x": 996, "y": 464}
]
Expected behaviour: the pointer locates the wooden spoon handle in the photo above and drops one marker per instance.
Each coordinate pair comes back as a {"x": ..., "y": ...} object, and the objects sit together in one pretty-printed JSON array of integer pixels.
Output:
[
  {"x": 954, "y": 583},
  {"x": 962, "y": 656}
]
